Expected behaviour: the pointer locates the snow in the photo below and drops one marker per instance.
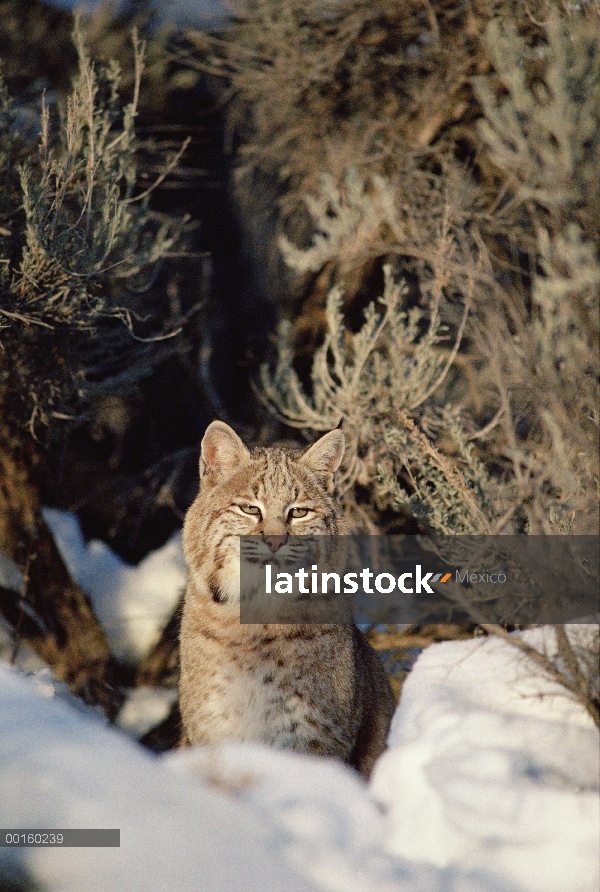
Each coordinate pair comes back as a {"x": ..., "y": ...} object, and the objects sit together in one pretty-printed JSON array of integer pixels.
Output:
[
  {"x": 22, "y": 656},
  {"x": 133, "y": 604},
  {"x": 145, "y": 708},
  {"x": 243, "y": 818},
  {"x": 331, "y": 829},
  {"x": 494, "y": 768},
  {"x": 62, "y": 769},
  {"x": 490, "y": 783},
  {"x": 10, "y": 575}
]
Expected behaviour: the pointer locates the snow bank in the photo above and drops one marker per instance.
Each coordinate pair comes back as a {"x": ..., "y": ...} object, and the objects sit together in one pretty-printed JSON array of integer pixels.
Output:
[
  {"x": 494, "y": 768},
  {"x": 61, "y": 769},
  {"x": 490, "y": 785},
  {"x": 331, "y": 829},
  {"x": 132, "y": 603},
  {"x": 241, "y": 818}
]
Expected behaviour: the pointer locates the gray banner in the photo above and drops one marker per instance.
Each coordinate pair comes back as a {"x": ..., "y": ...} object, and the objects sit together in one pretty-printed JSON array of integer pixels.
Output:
[
  {"x": 416, "y": 579},
  {"x": 16, "y": 839}
]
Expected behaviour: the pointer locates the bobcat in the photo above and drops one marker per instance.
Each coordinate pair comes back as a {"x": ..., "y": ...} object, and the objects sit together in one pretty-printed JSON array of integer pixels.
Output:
[{"x": 310, "y": 688}]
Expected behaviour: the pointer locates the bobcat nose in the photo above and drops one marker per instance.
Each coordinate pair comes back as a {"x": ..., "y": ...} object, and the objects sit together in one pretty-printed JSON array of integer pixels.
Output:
[{"x": 275, "y": 542}]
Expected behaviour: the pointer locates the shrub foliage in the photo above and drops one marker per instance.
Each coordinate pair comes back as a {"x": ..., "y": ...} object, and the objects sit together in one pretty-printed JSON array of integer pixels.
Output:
[{"x": 80, "y": 244}]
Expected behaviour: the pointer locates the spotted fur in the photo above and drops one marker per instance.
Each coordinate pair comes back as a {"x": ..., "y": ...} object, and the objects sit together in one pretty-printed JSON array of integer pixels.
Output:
[{"x": 310, "y": 688}]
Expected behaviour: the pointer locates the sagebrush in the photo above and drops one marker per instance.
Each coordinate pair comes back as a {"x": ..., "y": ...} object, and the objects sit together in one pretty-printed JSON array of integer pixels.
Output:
[{"x": 84, "y": 245}]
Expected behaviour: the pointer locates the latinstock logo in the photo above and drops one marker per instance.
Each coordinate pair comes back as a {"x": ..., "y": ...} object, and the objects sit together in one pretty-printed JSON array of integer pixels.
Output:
[
  {"x": 348, "y": 583},
  {"x": 401, "y": 578}
]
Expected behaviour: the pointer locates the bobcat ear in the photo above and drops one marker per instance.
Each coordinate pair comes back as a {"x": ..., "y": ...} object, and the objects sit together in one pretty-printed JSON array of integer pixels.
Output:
[
  {"x": 221, "y": 450},
  {"x": 325, "y": 455}
]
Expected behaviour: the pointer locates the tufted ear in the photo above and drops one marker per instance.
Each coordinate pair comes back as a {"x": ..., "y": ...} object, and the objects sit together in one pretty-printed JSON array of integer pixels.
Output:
[
  {"x": 325, "y": 455},
  {"x": 221, "y": 452}
]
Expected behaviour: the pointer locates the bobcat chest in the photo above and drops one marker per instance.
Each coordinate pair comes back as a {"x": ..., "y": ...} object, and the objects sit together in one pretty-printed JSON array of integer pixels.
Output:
[{"x": 246, "y": 696}]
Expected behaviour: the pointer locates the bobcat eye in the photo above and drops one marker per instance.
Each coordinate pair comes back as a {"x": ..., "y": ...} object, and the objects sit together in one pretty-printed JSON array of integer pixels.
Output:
[
  {"x": 297, "y": 512},
  {"x": 250, "y": 509}
]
